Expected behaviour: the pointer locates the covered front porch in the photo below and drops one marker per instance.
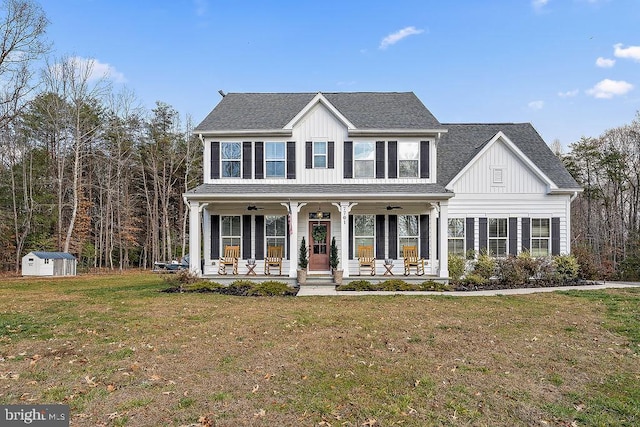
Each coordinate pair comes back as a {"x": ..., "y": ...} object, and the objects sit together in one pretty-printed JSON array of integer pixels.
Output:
[{"x": 254, "y": 222}]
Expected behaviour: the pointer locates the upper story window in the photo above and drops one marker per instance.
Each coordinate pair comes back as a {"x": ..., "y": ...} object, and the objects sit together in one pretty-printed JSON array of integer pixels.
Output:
[
  {"x": 231, "y": 157},
  {"x": 498, "y": 237},
  {"x": 320, "y": 154},
  {"x": 275, "y": 159},
  {"x": 408, "y": 159},
  {"x": 364, "y": 155},
  {"x": 540, "y": 236},
  {"x": 455, "y": 232}
]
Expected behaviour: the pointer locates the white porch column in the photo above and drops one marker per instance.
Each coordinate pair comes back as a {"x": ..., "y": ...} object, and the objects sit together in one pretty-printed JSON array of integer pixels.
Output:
[
  {"x": 194, "y": 238},
  {"x": 433, "y": 241},
  {"x": 444, "y": 240},
  {"x": 293, "y": 208},
  {"x": 344, "y": 208}
]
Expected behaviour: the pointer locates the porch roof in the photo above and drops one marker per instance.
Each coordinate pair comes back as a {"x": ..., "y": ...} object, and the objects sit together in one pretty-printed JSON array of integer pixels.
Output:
[{"x": 382, "y": 192}]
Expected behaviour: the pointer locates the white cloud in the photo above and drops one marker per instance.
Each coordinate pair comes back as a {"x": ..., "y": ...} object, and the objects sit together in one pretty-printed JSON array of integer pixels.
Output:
[
  {"x": 631, "y": 52},
  {"x": 399, "y": 35},
  {"x": 607, "y": 89},
  {"x": 539, "y": 4},
  {"x": 605, "y": 62},
  {"x": 536, "y": 105},
  {"x": 100, "y": 70},
  {"x": 201, "y": 7},
  {"x": 568, "y": 94},
  {"x": 90, "y": 69}
]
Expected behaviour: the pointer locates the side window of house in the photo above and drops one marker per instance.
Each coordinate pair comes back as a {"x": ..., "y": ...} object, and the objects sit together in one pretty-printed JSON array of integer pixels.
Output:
[
  {"x": 498, "y": 237},
  {"x": 540, "y": 236},
  {"x": 363, "y": 231},
  {"x": 408, "y": 231},
  {"x": 275, "y": 159},
  {"x": 408, "y": 159},
  {"x": 455, "y": 232},
  {"x": 364, "y": 156},
  {"x": 46, "y": 261},
  {"x": 320, "y": 154},
  {"x": 231, "y": 158},
  {"x": 276, "y": 231},
  {"x": 230, "y": 231}
]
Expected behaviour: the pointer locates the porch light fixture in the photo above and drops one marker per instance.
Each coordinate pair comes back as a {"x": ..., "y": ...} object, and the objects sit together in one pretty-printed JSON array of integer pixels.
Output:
[
  {"x": 319, "y": 213},
  {"x": 390, "y": 208}
]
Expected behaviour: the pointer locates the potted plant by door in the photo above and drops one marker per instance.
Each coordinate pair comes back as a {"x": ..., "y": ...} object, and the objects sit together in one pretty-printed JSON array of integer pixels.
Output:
[
  {"x": 334, "y": 261},
  {"x": 303, "y": 261}
]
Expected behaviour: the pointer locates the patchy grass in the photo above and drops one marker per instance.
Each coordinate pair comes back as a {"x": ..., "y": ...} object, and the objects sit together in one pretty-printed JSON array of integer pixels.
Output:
[{"x": 122, "y": 353}]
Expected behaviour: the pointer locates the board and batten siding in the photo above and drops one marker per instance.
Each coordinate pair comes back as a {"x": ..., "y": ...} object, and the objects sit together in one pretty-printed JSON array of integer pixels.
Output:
[{"x": 517, "y": 177}]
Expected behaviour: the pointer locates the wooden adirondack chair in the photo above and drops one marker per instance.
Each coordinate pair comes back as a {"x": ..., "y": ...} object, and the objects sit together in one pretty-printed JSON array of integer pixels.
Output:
[
  {"x": 366, "y": 259},
  {"x": 273, "y": 259},
  {"x": 411, "y": 259},
  {"x": 229, "y": 259}
]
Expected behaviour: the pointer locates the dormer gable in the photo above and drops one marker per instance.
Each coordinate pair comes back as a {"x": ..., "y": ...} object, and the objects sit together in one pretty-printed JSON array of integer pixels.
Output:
[{"x": 320, "y": 99}]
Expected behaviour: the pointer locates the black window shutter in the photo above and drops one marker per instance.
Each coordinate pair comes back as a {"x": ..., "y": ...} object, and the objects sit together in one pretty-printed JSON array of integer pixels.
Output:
[
  {"x": 291, "y": 160},
  {"x": 380, "y": 160},
  {"x": 246, "y": 160},
  {"x": 331, "y": 149},
  {"x": 526, "y": 234},
  {"x": 350, "y": 237},
  {"x": 215, "y": 160},
  {"x": 513, "y": 236},
  {"x": 555, "y": 236},
  {"x": 215, "y": 236},
  {"x": 424, "y": 236},
  {"x": 259, "y": 236},
  {"x": 470, "y": 233},
  {"x": 392, "y": 146},
  {"x": 482, "y": 234},
  {"x": 308, "y": 157},
  {"x": 348, "y": 162},
  {"x": 380, "y": 236},
  {"x": 246, "y": 236},
  {"x": 259, "y": 147},
  {"x": 424, "y": 159},
  {"x": 393, "y": 236}
]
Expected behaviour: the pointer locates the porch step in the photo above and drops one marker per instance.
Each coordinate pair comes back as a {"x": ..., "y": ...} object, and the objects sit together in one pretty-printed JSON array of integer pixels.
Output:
[{"x": 319, "y": 280}]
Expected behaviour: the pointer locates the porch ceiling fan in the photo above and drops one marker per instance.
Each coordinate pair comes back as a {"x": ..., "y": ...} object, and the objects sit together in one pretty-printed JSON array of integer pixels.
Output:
[
  {"x": 390, "y": 208},
  {"x": 253, "y": 208}
]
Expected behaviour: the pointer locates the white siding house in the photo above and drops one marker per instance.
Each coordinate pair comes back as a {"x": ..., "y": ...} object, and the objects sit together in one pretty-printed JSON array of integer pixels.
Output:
[
  {"x": 48, "y": 264},
  {"x": 370, "y": 169}
]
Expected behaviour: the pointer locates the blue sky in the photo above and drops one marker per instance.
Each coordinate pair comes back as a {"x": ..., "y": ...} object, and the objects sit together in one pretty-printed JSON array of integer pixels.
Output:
[{"x": 570, "y": 67}]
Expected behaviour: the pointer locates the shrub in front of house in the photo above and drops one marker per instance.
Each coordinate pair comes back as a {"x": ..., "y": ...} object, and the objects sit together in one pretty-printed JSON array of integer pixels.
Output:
[
  {"x": 485, "y": 266},
  {"x": 357, "y": 285},
  {"x": 271, "y": 288},
  {"x": 456, "y": 267},
  {"x": 432, "y": 285},
  {"x": 510, "y": 272},
  {"x": 396, "y": 285},
  {"x": 566, "y": 268}
]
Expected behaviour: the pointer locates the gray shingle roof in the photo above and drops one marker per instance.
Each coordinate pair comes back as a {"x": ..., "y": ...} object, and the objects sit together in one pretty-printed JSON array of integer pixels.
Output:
[
  {"x": 464, "y": 141},
  {"x": 282, "y": 190},
  {"x": 366, "y": 110}
]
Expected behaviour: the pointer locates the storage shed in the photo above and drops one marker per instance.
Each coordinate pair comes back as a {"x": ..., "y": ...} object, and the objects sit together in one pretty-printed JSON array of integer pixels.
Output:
[{"x": 48, "y": 264}]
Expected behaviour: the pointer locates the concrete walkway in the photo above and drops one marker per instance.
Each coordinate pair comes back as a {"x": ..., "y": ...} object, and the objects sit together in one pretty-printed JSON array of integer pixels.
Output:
[{"x": 324, "y": 290}]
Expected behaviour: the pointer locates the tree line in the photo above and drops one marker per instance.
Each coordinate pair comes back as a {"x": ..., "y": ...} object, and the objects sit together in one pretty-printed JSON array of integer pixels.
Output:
[
  {"x": 83, "y": 168},
  {"x": 606, "y": 215}
]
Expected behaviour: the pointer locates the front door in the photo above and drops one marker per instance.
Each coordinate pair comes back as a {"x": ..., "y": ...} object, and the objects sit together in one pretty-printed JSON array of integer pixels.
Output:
[{"x": 319, "y": 232}]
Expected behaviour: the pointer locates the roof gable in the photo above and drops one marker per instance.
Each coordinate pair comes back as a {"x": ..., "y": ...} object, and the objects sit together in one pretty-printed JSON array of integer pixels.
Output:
[
  {"x": 500, "y": 136},
  {"x": 463, "y": 142},
  {"x": 319, "y": 99},
  {"x": 362, "y": 110}
]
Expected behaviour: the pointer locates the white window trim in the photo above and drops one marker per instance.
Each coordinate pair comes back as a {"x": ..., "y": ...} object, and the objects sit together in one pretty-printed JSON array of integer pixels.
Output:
[
  {"x": 373, "y": 161},
  {"x": 505, "y": 238},
  {"x": 398, "y": 159},
  {"x": 230, "y": 160},
  {"x": 417, "y": 236},
  {"x": 222, "y": 236},
  {"x": 464, "y": 234},
  {"x": 532, "y": 238},
  {"x": 362, "y": 236},
  {"x": 326, "y": 154},
  {"x": 283, "y": 160},
  {"x": 283, "y": 236}
]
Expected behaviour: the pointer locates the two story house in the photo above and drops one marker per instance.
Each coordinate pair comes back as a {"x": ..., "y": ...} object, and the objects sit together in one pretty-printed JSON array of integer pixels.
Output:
[{"x": 375, "y": 169}]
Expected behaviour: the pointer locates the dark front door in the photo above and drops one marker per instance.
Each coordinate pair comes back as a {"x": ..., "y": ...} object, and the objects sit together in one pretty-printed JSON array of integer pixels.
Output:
[{"x": 319, "y": 232}]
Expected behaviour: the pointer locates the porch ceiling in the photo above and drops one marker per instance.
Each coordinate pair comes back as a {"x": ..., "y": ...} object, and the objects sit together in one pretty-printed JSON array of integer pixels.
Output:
[{"x": 318, "y": 192}]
